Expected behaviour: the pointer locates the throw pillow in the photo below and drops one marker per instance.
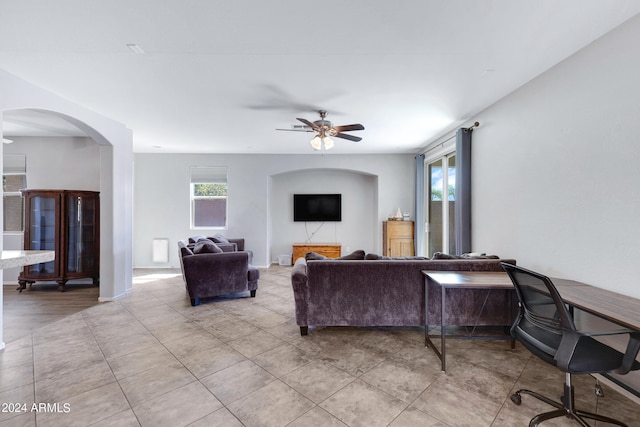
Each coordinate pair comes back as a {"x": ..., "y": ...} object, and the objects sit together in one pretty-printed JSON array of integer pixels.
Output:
[
  {"x": 357, "y": 255},
  {"x": 442, "y": 255},
  {"x": 206, "y": 247},
  {"x": 219, "y": 238},
  {"x": 194, "y": 239},
  {"x": 475, "y": 255},
  {"x": 376, "y": 256},
  {"x": 309, "y": 256}
]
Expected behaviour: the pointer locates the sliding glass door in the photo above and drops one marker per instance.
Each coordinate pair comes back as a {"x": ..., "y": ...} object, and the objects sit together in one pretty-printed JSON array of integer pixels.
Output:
[{"x": 441, "y": 184}]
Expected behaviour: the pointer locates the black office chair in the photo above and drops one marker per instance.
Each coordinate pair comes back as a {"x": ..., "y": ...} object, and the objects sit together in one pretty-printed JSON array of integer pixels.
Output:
[{"x": 545, "y": 326}]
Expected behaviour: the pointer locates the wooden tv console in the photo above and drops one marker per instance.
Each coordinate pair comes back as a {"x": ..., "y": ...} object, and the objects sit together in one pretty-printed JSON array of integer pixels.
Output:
[{"x": 330, "y": 250}]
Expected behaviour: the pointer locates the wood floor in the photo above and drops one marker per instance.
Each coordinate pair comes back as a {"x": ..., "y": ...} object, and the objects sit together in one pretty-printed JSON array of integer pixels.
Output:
[{"x": 42, "y": 304}]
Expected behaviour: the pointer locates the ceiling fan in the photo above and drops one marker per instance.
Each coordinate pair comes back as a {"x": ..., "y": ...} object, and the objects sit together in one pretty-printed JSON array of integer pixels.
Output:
[{"x": 325, "y": 129}]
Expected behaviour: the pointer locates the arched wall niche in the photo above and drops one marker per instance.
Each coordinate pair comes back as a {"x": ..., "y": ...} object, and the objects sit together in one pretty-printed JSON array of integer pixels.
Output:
[{"x": 357, "y": 230}]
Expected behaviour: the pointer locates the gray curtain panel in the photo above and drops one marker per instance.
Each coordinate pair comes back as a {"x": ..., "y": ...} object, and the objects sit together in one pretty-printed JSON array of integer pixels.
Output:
[
  {"x": 462, "y": 215},
  {"x": 419, "y": 208}
]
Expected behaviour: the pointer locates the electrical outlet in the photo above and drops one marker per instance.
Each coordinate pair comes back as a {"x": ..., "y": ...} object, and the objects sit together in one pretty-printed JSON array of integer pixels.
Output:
[{"x": 599, "y": 390}]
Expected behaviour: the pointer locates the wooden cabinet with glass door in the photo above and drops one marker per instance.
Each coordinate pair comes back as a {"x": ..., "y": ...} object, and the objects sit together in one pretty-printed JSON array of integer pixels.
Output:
[{"x": 67, "y": 222}]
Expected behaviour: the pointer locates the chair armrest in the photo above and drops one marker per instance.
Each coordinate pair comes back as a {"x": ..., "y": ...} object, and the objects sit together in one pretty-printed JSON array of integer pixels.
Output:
[
  {"x": 620, "y": 331},
  {"x": 300, "y": 285},
  {"x": 633, "y": 346},
  {"x": 570, "y": 340},
  {"x": 239, "y": 244},
  {"x": 228, "y": 247}
]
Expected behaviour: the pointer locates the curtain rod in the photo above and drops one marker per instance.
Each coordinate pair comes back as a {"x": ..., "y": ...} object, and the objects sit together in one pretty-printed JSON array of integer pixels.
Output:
[
  {"x": 474, "y": 125},
  {"x": 441, "y": 144}
]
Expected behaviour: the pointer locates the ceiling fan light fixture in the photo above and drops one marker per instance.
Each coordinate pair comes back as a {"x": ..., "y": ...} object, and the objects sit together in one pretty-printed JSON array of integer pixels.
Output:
[
  {"x": 324, "y": 130},
  {"x": 328, "y": 143},
  {"x": 316, "y": 143}
]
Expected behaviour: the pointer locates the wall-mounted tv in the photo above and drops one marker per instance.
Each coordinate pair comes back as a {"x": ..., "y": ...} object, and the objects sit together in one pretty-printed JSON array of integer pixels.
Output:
[{"x": 317, "y": 207}]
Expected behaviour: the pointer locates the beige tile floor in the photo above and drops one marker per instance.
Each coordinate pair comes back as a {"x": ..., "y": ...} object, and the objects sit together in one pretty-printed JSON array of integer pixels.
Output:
[{"x": 151, "y": 359}]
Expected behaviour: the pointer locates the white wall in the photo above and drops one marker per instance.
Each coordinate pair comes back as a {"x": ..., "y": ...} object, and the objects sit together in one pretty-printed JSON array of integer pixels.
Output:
[
  {"x": 257, "y": 186},
  {"x": 54, "y": 163},
  {"x": 556, "y": 168},
  {"x": 59, "y": 163}
]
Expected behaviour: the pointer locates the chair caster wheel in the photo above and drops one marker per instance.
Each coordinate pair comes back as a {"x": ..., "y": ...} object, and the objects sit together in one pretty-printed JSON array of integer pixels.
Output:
[{"x": 516, "y": 398}]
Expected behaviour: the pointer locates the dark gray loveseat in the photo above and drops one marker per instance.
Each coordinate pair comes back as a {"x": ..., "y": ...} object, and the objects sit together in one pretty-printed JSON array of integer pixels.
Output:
[
  {"x": 390, "y": 292},
  {"x": 209, "y": 274}
]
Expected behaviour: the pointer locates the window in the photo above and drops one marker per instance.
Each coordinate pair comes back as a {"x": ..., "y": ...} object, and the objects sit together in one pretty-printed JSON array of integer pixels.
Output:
[
  {"x": 208, "y": 197},
  {"x": 14, "y": 179},
  {"x": 441, "y": 204}
]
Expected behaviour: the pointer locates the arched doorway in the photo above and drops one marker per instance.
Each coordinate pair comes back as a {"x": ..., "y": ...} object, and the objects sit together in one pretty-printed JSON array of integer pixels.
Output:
[
  {"x": 116, "y": 176},
  {"x": 42, "y": 151}
]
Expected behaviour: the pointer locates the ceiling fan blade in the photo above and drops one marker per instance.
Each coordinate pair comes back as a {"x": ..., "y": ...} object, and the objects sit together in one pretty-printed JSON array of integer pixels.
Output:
[
  {"x": 346, "y": 128},
  {"x": 297, "y": 130},
  {"x": 272, "y": 97},
  {"x": 308, "y": 123},
  {"x": 349, "y": 137}
]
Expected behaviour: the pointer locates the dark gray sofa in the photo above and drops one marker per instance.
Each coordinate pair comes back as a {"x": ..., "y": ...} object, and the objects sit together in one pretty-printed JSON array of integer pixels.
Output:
[
  {"x": 213, "y": 274},
  {"x": 390, "y": 292}
]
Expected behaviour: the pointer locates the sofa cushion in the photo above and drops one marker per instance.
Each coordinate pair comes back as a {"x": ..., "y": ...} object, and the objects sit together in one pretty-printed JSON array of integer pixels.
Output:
[
  {"x": 400, "y": 258},
  {"x": 375, "y": 257},
  {"x": 355, "y": 255},
  {"x": 310, "y": 256},
  {"x": 206, "y": 247},
  {"x": 228, "y": 247},
  {"x": 194, "y": 239},
  {"x": 218, "y": 238},
  {"x": 478, "y": 256},
  {"x": 442, "y": 255}
]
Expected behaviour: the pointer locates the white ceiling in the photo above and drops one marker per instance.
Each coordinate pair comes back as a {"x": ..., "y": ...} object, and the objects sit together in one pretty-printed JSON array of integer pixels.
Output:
[{"x": 220, "y": 76}]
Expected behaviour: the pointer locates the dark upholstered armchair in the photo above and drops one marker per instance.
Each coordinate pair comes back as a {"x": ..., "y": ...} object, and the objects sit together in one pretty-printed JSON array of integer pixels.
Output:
[{"x": 208, "y": 274}]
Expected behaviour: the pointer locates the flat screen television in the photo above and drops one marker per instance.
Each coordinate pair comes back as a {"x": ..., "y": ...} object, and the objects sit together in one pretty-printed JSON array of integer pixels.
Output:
[{"x": 317, "y": 207}]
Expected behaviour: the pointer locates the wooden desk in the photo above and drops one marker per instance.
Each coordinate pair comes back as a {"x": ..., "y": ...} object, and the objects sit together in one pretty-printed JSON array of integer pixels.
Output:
[{"x": 611, "y": 306}]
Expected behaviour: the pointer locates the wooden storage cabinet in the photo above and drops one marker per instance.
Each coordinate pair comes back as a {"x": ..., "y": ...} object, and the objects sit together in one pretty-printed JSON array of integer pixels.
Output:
[
  {"x": 67, "y": 222},
  {"x": 330, "y": 250},
  {"x": 397, "y": 238}
]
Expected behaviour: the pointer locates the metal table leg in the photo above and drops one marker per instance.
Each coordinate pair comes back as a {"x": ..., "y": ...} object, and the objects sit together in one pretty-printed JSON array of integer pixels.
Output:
[{"x": 427, "y": 338}]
